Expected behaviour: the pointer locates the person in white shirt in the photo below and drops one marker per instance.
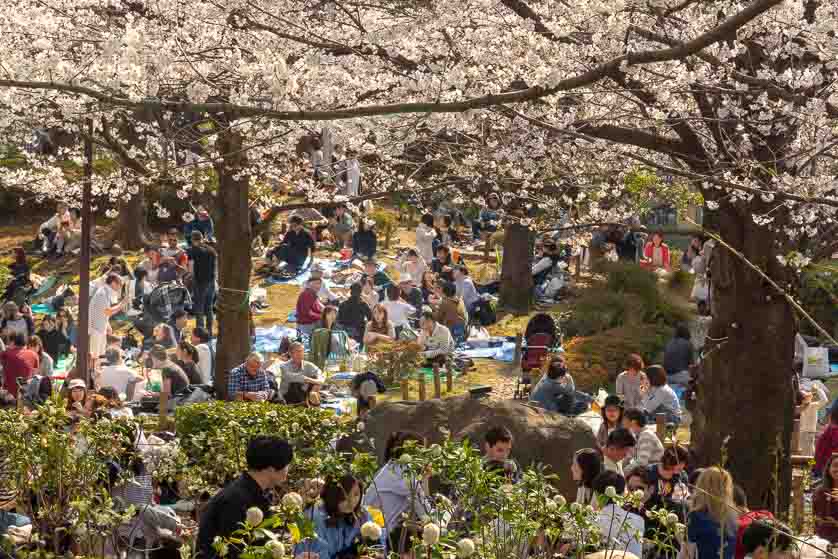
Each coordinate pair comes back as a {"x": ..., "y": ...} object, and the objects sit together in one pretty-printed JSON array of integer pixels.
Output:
[
  {"x": 425, "y": 235},
  {"x": 398, "y": 311},
  {"x": 621, "y": 530},
  {"x": 465, "y": 288},
  {"x": 300, "y": 378},
  {"x": 619, "y": 444},
  {"x": 116, "y": 375},
  {"x": 435, "y": 339},
  {"x": 206, "y": 357},
  {"x": 102, "y": 307},
  {"x": 411, "y": 267},
  {"x": 326, "y": 295}
]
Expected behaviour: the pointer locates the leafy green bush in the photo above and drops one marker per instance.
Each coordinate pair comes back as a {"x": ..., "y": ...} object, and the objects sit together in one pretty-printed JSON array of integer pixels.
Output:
[
  {"x": 631, "y": 278},
  {"x": 595, "y": 311},
  {"x": 819, "y": 296},
  {"x": 213, "y": 438}
]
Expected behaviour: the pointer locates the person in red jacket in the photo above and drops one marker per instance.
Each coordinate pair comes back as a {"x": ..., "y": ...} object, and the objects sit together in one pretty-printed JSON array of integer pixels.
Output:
[
  {"x": 309, "y": 307},
  {"x": 827, "y": 442},
  {"x": 746, "y": 518},
  {"x": 825, "y": 502},
  {"x": 18, "y": 362},
  {"x": 656, "y": 254}
]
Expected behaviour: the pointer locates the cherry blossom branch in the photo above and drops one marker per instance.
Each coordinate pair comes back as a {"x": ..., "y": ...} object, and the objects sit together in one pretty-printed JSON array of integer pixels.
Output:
[{"x": 721, "y": 32}]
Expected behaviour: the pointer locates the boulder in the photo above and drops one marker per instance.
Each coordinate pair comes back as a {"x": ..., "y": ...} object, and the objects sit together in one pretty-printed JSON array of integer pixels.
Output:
[{"x": 540, "y": 436}]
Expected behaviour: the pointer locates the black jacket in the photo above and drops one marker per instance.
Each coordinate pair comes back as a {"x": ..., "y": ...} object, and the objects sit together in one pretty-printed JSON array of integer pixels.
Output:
[
  {"x": 353, "y": 314},
  {"x": 226, "y": 512}
]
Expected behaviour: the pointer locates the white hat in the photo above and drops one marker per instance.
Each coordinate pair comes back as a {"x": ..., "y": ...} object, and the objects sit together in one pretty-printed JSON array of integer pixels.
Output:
[{"x": 76, "y": 383}]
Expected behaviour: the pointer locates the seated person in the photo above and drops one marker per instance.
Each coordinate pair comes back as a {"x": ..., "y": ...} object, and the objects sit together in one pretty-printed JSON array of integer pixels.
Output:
[
  {"x": 649, "y": 449},
  {"x": 556, "y": 389},
  {"x": 173, "y": 377},
  {"x": 49, "y": 229},
  {"x": 309, "y": 308},
  {"x": 296, "y": 247},
  {"x": 451, "y": 312},
  {"x": 368, "y": 293},
  {"x": 56, "y": 343},
  {"x": 380, "y": 279},
  {"x": 656, "y": 254},
  {"x": 443, "y": 264},
  {"x": 187, "y": 359},
  {"x": 768, "y": 539},
  {"x": 668, "y": 481},
  {"x": 446, "y": 234},
  {"x": 379, "y": 328},
  {"x": 341, "y": 226},
  {"x": 412, "y": 267},
  {"x": 250, "y": 381},
  {"x": 116, "y": 375},
  {"x": 497, "y": 448},
  {"x": 428, "y": 287},
  {"x": 337, "y": 518},
  {"x": 326, "y": 295},
  {"x": 465, "y": 288},
  {"x": 203, "y": 223},
  {"x": 327, "y": 339},
  {"x": 398, "y": 311},
  {"x": 488, "y": 218},
  {"x": 151, "y": 264},
  {"x": 301, "y": 380},
  {"x": 354, "y": 313},
  {"x": 435, "y": 340},
  {"x": 162, "y": 335},
  {"x": 365, "y": 241},
  {"x": 659, "y": 397},
  {"x": 178, "y": 322},
  {"x": 621, "y": 530},
  {"x": 544, "y": 266},
  {"x": 412, "y": 295},
  {"x": 66, "y": 298}
]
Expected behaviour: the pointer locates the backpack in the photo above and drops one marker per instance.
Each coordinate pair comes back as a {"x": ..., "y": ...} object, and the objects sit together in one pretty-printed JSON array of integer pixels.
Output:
[{"x": 484, "y": 313}]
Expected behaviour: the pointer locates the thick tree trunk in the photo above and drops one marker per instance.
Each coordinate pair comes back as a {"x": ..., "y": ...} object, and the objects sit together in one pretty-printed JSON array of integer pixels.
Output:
[
  {"x": 745, "y": 401},
  {"x": 131, "y": 226},
  {"x": 516, "y": 279},
  {"x": 232, "y": 229}
]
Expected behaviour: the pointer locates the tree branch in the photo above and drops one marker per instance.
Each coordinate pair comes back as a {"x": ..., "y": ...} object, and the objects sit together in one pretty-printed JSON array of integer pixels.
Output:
[{"x": 721, "y": 32}]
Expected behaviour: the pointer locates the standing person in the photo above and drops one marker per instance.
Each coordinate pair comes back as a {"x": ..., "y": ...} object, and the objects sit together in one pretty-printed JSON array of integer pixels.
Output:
[
  {"x": 102, "y": 308},
  {"x": 309, "y": 307},
  {"x": 660, "y": 398},
  {"x": 46, "y": 362},
  {"x": 612, "y": 418},
  {"x": 300, "y": 379},
  {"x": 353, "y": 313},
  {"x": 202, "y": 265},
  {"x": 711, "y": 524},
  {"x": 586, "y": 466},
  {"x": 203, "y": 224},
  {"x": 425, "y": 235},
  {"x": 630, "y": 383},
  {"x": 206, "y": 357},
  {"x": 649, "y": 449},
  {"x": 18, "y": 362},
  {"x": 814, "y": 398},
  {"x": 824, "y": 503},
  {"x": 268, "y": 459},
  {"x": 678, "y": 356}
]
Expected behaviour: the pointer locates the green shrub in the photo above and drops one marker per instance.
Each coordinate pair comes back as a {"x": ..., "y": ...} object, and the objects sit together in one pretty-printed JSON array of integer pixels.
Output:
[
  {"x": 595, "y": 311},
  {"x": 819, "y": 296},
  {"x": 213, "y": 438},
  {"x": 631, "y": 278}
]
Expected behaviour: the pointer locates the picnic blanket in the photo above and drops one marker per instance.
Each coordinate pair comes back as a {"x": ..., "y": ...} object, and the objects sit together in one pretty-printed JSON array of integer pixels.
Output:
[
  {"x": 45, "y": 286},
  {"x": 43, "y": 308},
  {"x": 329, "y": 266},
  {"x": 500, "y": 349},
  {"x": 268, "y": 340}
]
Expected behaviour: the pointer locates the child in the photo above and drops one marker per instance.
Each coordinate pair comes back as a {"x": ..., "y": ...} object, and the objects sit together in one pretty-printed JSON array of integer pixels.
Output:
[
  {"x": 630, "y": 381},
  {"x": 612, "y": 418}
]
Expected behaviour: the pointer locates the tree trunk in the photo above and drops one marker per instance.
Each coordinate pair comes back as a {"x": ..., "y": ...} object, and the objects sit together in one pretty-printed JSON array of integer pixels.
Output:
[
  {"x": 516, "y": 277},
  {"x": 131, "y": 226},
  {"x": 232, "y": 230},
  {"x": 745, "y": 400}
]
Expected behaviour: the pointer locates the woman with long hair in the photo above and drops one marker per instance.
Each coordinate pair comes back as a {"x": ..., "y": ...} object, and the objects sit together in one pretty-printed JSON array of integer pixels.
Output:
[
  {"x": 16, "y": 322},
  {"x": 47, "y": 363},
  {"x": 337, "y": 520},
  {"x": 379, "y": 329},
  {"x": 187, "y": 359},
  {"x": 586, "y": 466},
  {"x": 78, "y": 403},
  {"x": 711, "y": 524},
  {"x": 66, "y": 324},
  {"x": 824, "y": 502},
  {"x": 612, "y": 418},
  {"x": 338, "y": 340}
]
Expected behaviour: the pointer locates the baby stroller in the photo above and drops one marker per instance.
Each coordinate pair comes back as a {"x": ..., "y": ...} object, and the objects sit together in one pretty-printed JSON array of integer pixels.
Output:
[
  {"x": 540, "y": 339},
  {"x": 161, "y": 304}
]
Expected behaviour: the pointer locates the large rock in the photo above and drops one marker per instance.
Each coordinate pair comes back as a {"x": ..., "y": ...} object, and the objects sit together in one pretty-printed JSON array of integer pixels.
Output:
[{"x": 540, "y": 436}]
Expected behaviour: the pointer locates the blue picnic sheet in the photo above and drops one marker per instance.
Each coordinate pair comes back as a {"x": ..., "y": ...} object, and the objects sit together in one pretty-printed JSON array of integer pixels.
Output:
[
  {"x": 500, "y": 349},
  {"x": 42, "y": 308},
  {"x": 269, "y": 339},
  {"x": 327, "y": 265}
]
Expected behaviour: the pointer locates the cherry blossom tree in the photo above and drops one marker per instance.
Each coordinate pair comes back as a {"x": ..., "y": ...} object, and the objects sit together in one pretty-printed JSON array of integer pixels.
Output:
[{"x": 558, "y": 99}]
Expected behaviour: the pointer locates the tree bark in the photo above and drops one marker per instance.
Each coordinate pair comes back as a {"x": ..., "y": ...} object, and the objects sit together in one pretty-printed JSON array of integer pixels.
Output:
[
  {"x": 745, "y": 403},
  {"x": 516, "y": 277},
  {"x": 131, "y": 225},
  {"x": 234, "y": 239}
]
